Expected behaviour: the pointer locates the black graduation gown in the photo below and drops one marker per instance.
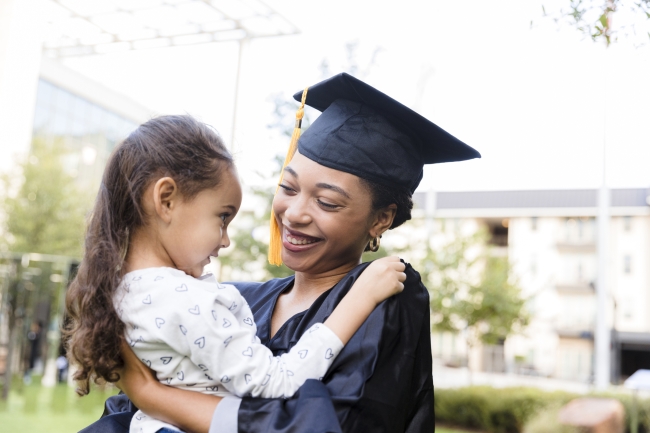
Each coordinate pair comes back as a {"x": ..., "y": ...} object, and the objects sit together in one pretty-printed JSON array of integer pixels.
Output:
[{"x": 380, "y": 382}]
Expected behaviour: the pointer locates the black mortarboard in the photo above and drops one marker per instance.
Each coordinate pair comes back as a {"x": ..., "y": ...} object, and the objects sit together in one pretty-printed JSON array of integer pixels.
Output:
[
  {"x": 369, "y": 134},
  {"x": 365, "y": 132}
]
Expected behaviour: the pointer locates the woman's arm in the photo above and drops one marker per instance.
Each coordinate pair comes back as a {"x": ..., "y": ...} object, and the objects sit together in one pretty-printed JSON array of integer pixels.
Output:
[{"x": 190, "y": 411}]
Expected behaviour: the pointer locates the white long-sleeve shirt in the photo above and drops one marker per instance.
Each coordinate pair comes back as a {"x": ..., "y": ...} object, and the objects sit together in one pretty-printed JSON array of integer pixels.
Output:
[{"x": 200, "y": 335}]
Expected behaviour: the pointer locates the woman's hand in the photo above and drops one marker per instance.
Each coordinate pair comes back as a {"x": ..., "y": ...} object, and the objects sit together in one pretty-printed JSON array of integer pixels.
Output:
[
  {"x": 136, "y": 379},
  {"x": 188, "y": 410}
]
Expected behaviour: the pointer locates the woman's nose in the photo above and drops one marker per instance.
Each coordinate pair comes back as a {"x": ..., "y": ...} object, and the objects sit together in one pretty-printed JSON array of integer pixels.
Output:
[{"x": 297, "y": 212}]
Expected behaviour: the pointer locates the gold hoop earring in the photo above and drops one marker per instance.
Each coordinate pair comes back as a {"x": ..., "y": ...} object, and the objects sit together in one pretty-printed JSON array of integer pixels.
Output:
[{"x": 373, "y": 245}]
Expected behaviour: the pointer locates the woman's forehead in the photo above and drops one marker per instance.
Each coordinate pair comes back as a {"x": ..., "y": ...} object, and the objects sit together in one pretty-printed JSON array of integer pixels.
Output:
[{"x": 310, "y": 172}]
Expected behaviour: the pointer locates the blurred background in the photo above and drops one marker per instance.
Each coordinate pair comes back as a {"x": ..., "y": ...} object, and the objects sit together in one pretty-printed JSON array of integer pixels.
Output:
[{"x": 536, "y": 256}]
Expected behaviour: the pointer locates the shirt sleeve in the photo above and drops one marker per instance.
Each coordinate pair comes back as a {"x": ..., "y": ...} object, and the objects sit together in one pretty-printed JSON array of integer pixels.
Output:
[
  {"x": 224, "y": 419},
  {"x": 222, "y": 341}
]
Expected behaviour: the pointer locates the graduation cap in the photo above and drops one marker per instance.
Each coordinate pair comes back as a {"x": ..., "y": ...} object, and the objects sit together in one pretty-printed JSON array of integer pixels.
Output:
[{"x": 364, "y": 132}]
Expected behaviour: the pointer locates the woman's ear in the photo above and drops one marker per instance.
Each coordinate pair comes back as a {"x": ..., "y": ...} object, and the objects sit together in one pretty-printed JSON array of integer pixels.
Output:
[
  {"x": 383, "y": 220},
  {"x": 165, "y": 197}
]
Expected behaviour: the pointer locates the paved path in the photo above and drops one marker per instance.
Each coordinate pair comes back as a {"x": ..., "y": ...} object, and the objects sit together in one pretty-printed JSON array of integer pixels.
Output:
[{"x": 446, "y": 377}]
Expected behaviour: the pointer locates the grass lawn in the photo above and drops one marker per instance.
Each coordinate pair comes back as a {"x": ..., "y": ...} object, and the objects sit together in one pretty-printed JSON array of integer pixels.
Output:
[
  {"x": 36, "y": 409},
  {"x": 451, "y": 430}
]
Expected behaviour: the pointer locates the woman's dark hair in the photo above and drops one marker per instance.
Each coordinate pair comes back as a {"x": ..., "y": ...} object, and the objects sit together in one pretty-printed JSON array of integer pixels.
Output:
[
  {"x": 383, "y": 196},
  {"x": 180, "y": 147}
]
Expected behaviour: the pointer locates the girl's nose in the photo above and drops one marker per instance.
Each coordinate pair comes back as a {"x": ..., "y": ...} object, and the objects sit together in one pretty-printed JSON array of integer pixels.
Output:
[{"x": 225, "y": 239}]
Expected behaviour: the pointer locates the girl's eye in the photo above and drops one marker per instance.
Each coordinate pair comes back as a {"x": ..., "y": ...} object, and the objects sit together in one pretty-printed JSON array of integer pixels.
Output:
[
  {"x": 327, "y": 205},
  {"x": 224, "y": 217}
]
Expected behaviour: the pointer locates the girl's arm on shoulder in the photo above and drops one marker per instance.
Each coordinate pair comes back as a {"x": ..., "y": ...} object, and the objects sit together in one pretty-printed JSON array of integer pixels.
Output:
[{"x": 191, "y": 411}]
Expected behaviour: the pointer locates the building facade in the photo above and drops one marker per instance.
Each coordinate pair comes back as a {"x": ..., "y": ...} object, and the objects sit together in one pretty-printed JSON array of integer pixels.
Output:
[
  {"x": 87, "y": 120},
  {"x": 550, "y": 239},
  {"x": 86, "y": 117}
]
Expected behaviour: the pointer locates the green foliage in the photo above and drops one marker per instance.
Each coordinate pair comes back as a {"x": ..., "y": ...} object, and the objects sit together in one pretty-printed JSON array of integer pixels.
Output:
[
  {"x": 44, "y": 209},
  {"x": 472, "y": 290},
  {"x": 496, "y": 302},
  {"x": 546, "y": 421},
  {"x": 515, "y": 410},
  {"x": 490, "y": 409},
  {"x": 595, "y": 18}
]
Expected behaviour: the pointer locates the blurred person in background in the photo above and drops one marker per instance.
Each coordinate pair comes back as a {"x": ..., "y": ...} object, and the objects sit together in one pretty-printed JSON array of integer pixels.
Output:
[
  {"x": 34, "y": 349},
  {"x": 61, "y": 365}
]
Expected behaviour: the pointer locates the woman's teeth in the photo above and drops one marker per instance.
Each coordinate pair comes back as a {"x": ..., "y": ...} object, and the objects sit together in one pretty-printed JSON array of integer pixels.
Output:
[{"x": 295, "y": 241}]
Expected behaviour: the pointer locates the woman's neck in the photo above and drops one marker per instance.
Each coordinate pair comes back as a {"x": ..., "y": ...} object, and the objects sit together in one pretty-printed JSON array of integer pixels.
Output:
[
  {"x": 311, "y": 286},
  {"x": 306, "y": 289}
]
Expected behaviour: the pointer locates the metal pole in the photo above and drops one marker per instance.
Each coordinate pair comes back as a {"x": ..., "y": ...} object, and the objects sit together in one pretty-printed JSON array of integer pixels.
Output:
[
  {"x": 10, "y": 305},
  {"x": 602, "y": 335},
  {"x": 243, "y": 43}
]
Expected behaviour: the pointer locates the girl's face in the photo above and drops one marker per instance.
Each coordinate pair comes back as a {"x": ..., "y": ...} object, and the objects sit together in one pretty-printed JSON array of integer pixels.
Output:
[
  {"x": 324, "y": 216},
  {"x": 198, "y": 228}
]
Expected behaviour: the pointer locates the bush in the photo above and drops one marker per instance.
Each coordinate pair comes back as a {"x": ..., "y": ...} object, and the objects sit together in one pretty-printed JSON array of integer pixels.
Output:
[{"x": 509, "y": 410}]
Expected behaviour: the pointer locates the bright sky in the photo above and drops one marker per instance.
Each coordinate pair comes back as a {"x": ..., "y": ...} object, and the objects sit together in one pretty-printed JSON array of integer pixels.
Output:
[{"x": 538, "y": 102}]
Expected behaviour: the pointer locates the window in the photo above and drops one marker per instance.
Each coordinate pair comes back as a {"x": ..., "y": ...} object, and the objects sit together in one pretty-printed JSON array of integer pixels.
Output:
[
  {"x": 627, "y": 223},
  {"x": 628, "y": 310},
  {"x": 580, "y": 273},
  {"x": 627, "y": 264},
  {"x": 569, "y": 226},
  {"x": 580, "y": 229}
]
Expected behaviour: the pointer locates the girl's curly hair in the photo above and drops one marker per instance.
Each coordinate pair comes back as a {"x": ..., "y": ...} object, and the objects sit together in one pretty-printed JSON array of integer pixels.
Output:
[{"x": 181, "y": 147}]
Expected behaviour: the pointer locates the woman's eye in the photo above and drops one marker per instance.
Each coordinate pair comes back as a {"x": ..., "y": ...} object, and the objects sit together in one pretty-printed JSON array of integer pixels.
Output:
[
  {"x": 327, "y": 205},
  {"x": 286, "y": 188}
]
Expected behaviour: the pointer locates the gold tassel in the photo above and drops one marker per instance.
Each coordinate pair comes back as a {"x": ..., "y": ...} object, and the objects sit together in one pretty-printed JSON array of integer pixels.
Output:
[{"x": 275, "y": 244}]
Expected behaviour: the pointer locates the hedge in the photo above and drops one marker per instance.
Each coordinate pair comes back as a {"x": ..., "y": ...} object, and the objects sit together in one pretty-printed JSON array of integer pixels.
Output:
[{"x": 508, "y": 410}]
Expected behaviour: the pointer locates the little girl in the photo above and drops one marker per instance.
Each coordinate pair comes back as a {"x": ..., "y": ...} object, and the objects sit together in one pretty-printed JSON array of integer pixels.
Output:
[{"x": 167, "y": 196}]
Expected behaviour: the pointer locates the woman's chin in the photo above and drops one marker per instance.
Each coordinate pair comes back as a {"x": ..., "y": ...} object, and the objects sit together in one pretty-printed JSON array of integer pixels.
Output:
[{"x": 300, "y": 261}]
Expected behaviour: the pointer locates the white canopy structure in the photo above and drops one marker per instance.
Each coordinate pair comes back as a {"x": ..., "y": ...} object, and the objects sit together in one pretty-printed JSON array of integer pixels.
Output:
[{"x": 81, "y": 27}]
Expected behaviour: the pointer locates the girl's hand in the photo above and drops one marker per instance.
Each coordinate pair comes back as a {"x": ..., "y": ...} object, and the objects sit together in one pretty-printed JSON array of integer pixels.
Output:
[{"x": 382, "y": 279}]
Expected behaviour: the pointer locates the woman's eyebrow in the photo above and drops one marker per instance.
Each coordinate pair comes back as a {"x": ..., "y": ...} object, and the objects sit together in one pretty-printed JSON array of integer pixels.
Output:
[
  {"x": 291, "y": 170},
  {"x": 333, "y": 188}
]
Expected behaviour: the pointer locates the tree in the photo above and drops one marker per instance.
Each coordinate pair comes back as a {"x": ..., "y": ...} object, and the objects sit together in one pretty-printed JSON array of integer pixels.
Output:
[
  {"x": 42, "y": 211},
  {"x": 472, "y": 290},
  {"x": 43, "y": 208},
  {"x": 595, "y": 18}
]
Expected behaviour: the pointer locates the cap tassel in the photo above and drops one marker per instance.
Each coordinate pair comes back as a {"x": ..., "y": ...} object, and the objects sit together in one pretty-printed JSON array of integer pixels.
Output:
[{"x": 275, "y": 244}]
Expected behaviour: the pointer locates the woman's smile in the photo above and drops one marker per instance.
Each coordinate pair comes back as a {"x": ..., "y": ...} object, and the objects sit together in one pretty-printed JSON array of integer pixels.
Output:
[{"x": 296, "y": 241}]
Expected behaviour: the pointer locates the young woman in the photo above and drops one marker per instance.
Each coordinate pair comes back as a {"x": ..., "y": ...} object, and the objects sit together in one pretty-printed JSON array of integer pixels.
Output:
[{"x": 350, "y": 180}]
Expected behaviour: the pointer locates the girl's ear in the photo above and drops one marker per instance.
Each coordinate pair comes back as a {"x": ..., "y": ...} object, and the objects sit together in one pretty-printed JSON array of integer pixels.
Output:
[
  {"x": 165, "y": 197},
  {"x": 383, "y": 220}
]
